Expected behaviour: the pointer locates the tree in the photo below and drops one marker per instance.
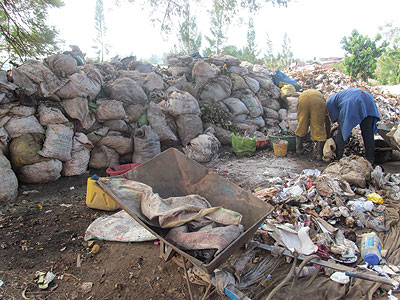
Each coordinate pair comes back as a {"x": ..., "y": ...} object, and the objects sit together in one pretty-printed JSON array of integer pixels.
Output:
[
  {"x": 189, "y": 38},
  {"x": 165, "y": 12},
  {"x": 23, "y": 29},
  {"x": 232, "y": 50},
  {"x": 388, "y": 69},
  {"x": 250, "y": 52},
  {"x": 101, "y": 31},
  {"x": 361, "y": 55},
  {"x": 218, "y": 25},
  {"x": 269, "y": 59},
  {"x": 388, "y": 66},
  {"x": 390, "y": 34},
  {"x": 287, "y": 54}
]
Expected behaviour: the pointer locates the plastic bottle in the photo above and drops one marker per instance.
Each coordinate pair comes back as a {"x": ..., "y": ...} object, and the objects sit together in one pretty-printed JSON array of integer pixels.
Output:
[{"x": 371, "y": 247}]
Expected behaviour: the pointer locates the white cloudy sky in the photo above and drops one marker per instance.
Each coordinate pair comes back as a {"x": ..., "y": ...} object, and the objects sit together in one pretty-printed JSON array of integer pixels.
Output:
[{"x": 315, "y": 27}]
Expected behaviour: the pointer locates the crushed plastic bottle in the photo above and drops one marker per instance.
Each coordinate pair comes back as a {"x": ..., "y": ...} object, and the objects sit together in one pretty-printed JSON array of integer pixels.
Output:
[{"x": 371, "y": 247}]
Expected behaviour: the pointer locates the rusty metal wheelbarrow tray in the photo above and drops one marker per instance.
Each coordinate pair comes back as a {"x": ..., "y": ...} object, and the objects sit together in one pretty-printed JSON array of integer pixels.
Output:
[{"x": 171, "y": 173}]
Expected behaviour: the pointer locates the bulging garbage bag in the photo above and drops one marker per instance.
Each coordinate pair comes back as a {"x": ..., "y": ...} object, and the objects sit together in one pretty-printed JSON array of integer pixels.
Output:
[
  {"x": 146, "y": 144},
  {"x": 41, "y": 172},
  {"x": 58, "y": 142},
  {"x": 9, "y": 184}
]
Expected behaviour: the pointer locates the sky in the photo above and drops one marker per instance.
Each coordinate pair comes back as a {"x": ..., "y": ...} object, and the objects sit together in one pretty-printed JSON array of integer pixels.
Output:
[{"x": 315, "y": 27}]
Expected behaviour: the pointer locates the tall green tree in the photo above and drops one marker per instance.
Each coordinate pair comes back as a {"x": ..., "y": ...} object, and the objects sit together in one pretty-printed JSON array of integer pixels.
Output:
[
  {"x": 218, "y": 27},
  {"x": 101, "y": 30},
  {"x": 250, "y": 52},
  {"x": 23, "y": 29},
  {"x": 361, "y": 55},
  {"x": 189, "y": 38}
]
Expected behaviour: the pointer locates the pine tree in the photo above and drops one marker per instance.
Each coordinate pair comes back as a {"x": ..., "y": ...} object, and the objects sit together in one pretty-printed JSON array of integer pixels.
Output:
[
  {"x": 250, "y": 52},
  {"x": 287, "y": 54},
  {"x": 189, "y": 38},
  {"x": 219, "y": 21},
  {"x": 101, "y": 30}
]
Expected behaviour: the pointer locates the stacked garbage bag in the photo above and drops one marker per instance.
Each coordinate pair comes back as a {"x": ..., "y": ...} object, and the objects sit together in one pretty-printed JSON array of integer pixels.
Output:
[{"x": 58, "y": 119}]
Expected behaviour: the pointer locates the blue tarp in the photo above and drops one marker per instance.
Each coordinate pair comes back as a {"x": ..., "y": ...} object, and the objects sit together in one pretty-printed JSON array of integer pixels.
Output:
[
  {"x": 281, "y": 77},
  {"x": 350, "y": 107}
]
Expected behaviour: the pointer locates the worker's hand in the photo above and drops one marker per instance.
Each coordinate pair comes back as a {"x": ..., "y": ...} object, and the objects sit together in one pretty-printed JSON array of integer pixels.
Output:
[{"x": 334, "y": 128}]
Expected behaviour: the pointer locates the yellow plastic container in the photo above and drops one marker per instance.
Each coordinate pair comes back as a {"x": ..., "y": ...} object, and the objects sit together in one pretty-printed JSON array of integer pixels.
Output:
[
  {"x": 280, "y": 147},
  {"x": 97, "y": 198}
]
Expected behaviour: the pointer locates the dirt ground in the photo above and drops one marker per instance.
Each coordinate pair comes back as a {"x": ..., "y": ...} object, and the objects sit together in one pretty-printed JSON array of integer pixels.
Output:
[{"x": 43, "y": 230}]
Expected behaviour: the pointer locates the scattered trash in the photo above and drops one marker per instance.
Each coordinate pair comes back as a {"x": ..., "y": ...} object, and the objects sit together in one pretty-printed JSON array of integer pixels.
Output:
[
  {"x": 374, "y": 197},
  {"x": 66, "y": 205},
  {"x": 44, "y": 279},
  {"x": 30, "y": 192},
  {"x": 71, "y": 188},
  {"x": 1, "y": 283},
  {"x": 95, "y": 249}
]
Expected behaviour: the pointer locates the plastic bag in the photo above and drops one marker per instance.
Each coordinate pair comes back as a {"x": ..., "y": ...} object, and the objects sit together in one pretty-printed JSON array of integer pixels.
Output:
[
  {"x": 279, "y": 77},
  {"x": 24, "y": 150},
  {"x": 110, "y": 110},
  {"x": 157, "y": 121},
  {"x": 51, "y": 115},
  {"x": 45, "y": 171},
  {"x": 9, "y": 184},
  {"x": 58, "y": 143},
  {"x": 103, "y": 157},
  {"x": 19, "y": 126},
  {"x": 243, "y": 145},
  {"x": 81, "y": 148},
  {"x": 146, "y": 144}
]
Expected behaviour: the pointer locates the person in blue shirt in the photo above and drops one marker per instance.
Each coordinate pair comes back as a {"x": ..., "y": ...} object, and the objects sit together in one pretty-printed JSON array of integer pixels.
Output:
[{"x": 350, "y": 108}]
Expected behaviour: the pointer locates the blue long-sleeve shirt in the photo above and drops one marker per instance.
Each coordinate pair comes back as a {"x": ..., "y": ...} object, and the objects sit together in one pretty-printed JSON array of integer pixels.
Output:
[{"x": 350, "y": 107}]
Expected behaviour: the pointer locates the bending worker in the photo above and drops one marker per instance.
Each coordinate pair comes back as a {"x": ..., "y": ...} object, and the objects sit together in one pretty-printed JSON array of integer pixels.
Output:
[
  {"x": 350, "y": 108},
  {"x": 311, "y": 112}
]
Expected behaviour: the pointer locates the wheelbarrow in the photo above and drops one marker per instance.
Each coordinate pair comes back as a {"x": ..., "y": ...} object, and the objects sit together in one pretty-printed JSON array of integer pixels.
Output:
[{"x": 171, "y": 173}]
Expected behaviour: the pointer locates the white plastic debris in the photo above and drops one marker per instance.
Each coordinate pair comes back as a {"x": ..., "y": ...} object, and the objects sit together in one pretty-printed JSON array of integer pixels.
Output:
[
  {"x": 340, "y": 277},
  {"x": 390, "y": 296},
  {"x": 310, "y": 172}
]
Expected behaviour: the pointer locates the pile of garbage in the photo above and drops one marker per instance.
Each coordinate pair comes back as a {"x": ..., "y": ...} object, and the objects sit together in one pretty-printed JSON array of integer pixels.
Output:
[
  {"x": 345, "y": 218},
  {"x": 330, "y": 81},
  {"x": 58, "y": 118}
]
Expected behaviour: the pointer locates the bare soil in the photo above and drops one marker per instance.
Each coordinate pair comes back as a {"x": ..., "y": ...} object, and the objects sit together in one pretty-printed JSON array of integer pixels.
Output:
[{"x": 44, "y": 231}]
